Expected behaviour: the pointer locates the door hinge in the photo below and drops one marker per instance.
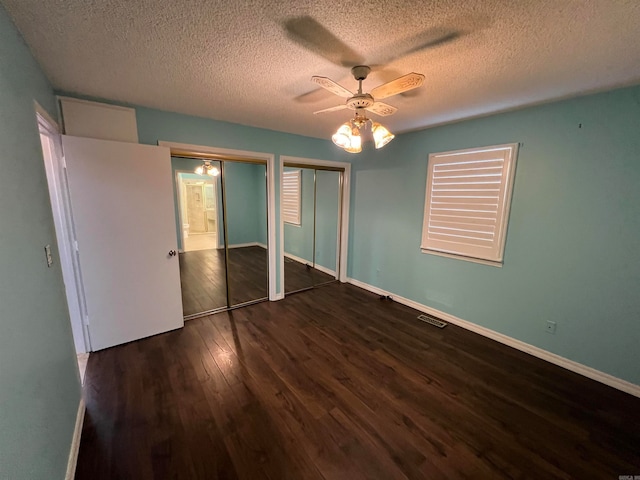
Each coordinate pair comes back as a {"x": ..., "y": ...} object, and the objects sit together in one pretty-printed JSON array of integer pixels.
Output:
[
  {"x": 75, "y": 246},
  {"x": 86, "y": 320},
  {"x": 64, "y": 162}
]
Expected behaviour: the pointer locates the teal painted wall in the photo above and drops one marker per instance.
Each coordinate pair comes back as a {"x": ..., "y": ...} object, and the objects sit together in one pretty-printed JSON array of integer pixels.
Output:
[
  {"x": 39, "y": 386},
  {"x": 298, "y": 239},
  {"x": 260, "y": 179},
  {"x": 245, "y": 190},
  {"x": 572, "y": 250}
]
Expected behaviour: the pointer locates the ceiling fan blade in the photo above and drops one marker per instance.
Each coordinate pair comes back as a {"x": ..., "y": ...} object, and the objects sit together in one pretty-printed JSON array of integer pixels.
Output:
[
  {"x": 332, "y": 86},
  {"x": 312, "y": 96},
  {"x": 331, "y": 109},
  {"x": 435, "y": 41},
  {"x": 313, "y": 36},
  {"x": 430, "y": 38},
  {"x": 399, "y": 85},
  {"x": 382, "y": 109}
]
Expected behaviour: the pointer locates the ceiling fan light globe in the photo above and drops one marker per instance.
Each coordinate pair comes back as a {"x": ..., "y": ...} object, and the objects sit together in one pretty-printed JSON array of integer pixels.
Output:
[
  {"x": 353, "y": 149},
  {"x": 342, "y": 137},
  {"x": 356, "y": 140},
  {"x": 213, "y": 171},
  {"x": 381, "y": 136},
  {"x": 199, "y": 170}
]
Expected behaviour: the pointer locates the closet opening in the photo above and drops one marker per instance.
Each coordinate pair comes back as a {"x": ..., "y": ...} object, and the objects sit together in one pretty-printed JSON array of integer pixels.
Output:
[
  {"x": 222, "y": 231},
  {"x": 311, "y": 208}
]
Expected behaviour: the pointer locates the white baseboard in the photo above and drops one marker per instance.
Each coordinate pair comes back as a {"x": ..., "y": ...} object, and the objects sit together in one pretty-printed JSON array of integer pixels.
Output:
[
  {"x": 576, "y": 367},
  {"x": 249, "y": 244},
  {"x": 325, "y": 270},
  {"x": 297, "y": 259},
  {"x": 305, "y": 262},
  {"x": 75, "y": 442}
]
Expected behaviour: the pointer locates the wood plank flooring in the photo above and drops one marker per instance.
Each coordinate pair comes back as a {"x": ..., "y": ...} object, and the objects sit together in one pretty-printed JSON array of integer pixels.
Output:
[
  {"x": 298, "y": 276},
  {"x": 203, "y": 280},
  {"x": 334, "y": 383}
]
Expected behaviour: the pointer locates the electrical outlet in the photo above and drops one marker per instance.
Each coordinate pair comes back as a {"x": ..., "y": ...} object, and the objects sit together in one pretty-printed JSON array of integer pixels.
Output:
[{"x": 551, "y": 327}]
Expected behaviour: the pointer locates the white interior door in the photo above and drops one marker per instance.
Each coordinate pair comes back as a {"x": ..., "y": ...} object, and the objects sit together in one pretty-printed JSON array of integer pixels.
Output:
[{"x": 122, "y": 208}]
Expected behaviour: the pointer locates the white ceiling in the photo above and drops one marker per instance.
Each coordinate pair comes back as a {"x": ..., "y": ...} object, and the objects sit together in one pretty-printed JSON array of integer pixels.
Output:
[{"x": 251, "y": 62}]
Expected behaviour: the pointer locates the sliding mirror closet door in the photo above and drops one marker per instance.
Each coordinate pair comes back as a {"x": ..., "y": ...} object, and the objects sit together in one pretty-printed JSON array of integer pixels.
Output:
[
  {"x": 200, "y": 233},
  {"x": 245, "y": 194},
  {"x": 327, "y": 231},
  {"x": 311, "y": 203},
  {"x": 298, "y": 205}
]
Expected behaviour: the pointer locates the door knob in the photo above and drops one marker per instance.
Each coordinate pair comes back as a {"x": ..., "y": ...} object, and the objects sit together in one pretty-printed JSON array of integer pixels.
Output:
[{"x": 172, "y": 253}]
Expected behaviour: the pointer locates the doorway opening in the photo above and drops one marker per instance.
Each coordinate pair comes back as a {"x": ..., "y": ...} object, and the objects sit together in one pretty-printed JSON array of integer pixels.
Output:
[
  {"x": 198, "y": 206},
  {"x": 65, "y": 234}
]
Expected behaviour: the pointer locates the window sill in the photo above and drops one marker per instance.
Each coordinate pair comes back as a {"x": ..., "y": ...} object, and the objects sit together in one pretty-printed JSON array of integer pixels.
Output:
[{"x": 462, "y": 257}]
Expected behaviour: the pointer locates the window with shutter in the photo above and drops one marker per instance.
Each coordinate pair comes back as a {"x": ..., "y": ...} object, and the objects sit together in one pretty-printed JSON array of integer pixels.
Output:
[
  {"x": 467, "y": 202},
  {"x": 291, "y": 190}
]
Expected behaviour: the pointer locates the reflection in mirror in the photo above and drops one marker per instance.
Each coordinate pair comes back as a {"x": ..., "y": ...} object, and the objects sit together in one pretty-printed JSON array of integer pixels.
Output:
[
  {"x": 311, "y": 202},
  {"x": 327, "y": 214},
  {"x": 298, "y": 191},
  {"x": 200, "y": 236},
  {"x": 245, "y": 193}
]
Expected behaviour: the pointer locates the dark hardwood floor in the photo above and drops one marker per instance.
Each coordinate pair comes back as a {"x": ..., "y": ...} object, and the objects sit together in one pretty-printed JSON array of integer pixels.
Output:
[
  {"x": 248, "y": 274},
  {"x": 334, "y": 383},
  {"x": 298, "y": 276},
  {"x": 203, "y": 280}
]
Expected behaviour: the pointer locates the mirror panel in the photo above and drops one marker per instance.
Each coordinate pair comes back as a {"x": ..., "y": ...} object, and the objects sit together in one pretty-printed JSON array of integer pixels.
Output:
[
  {"x": 327, "y": 214},
  {"x": 298, "y": 238},
  {"x": 200, "y": 237},
  {"x": 245, "y": 193}
]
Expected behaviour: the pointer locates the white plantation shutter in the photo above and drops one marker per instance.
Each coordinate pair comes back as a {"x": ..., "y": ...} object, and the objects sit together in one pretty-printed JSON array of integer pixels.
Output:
[
  {"x": 467, "y": 202},
  {"x": 291, "y": 190}
]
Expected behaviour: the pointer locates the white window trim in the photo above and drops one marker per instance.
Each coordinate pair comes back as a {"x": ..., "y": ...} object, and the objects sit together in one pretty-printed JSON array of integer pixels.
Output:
[
  {"x": 297, "y": 175},
  {"x": 510, "y": 152}
]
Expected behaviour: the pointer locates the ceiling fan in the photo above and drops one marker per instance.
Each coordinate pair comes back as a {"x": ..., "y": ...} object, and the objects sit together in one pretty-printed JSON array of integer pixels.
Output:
[
  {"x": 369, "y": 101},
  {"x": 348, "y": 135}
]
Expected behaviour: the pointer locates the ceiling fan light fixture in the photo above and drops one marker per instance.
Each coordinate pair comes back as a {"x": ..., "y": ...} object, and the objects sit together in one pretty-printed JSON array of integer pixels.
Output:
[
  {"x": 381, "y": 135},
  {"x": 361, "y": 102}
]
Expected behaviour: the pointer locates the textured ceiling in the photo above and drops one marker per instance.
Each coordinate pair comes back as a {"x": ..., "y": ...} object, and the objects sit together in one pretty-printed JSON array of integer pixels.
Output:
[{"x": 251, "y": 62}]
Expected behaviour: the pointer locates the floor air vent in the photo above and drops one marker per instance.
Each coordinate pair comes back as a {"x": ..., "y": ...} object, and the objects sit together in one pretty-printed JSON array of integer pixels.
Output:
[{"x": 432, "y": 320}]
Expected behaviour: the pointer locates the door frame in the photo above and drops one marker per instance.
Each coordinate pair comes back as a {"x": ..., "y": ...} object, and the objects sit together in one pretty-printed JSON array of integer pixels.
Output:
[
  {"x": 55, "y": 169},
  {"x": 179, "y": 200},
  {"x": 217, "y": 153},
  {"x": 342, "y": 251}
]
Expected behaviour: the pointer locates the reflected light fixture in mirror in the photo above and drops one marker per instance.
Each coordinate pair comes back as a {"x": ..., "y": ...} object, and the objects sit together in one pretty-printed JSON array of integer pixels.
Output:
[{"x": 207, "y": 169}]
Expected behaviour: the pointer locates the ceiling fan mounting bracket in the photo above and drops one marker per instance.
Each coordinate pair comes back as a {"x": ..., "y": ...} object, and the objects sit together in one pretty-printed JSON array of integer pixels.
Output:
[{"x": 360, "y": 72}]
